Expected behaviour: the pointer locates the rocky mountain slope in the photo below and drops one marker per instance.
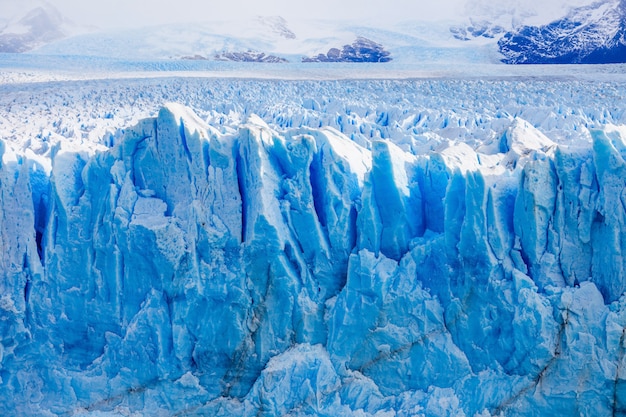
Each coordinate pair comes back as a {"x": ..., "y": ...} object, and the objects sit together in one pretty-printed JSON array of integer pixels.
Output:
[{"x": 593, "y": 34}]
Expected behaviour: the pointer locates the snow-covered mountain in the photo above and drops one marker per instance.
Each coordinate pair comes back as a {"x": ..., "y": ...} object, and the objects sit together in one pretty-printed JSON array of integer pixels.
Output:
[
  {"x": 594, "y": 34},
  {"x": 477, "y": 29},
  {"x": 339, "y": 248},
  {"x": 508, "y": 31},
  {"x": 408, "y": 42},
  {"x": 37, "y": 27},
  {"x": 271, "y": 36}
]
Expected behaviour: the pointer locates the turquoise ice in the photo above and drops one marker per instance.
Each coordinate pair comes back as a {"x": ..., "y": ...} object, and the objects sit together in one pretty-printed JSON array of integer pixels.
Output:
[{"x": 189, "y": 270}]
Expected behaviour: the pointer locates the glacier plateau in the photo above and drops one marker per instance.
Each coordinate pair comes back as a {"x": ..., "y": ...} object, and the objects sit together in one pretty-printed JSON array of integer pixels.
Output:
[{"x": 318, "y": 258}]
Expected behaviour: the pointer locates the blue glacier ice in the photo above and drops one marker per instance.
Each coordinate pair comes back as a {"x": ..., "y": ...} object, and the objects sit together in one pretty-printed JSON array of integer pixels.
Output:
[{"x": 195, "y": 270}]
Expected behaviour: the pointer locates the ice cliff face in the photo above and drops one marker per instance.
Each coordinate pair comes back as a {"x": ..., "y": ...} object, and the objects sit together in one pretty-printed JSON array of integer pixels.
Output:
[{"x": 194, "y": 272}]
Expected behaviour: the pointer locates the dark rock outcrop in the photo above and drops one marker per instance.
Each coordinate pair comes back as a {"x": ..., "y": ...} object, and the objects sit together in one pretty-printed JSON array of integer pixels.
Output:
[{"x": 361, "y": 50}]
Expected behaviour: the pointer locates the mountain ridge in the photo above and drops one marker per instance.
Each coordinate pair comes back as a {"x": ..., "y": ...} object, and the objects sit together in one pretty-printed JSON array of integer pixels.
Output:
[
  {"x": 594, "y": 34},
  {"x": 41, "y": 25}
]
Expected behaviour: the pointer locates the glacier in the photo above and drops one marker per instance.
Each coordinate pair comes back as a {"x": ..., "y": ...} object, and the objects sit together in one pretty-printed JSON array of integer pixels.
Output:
[{"x": 449, "y": 254}]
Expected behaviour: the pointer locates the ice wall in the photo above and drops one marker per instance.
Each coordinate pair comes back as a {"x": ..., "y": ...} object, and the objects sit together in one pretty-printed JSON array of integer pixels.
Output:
[{"x": 191, "y": 272}]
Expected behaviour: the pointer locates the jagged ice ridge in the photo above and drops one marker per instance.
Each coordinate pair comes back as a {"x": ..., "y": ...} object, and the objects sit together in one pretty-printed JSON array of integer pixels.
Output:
[{"x": 249, "y": 269}]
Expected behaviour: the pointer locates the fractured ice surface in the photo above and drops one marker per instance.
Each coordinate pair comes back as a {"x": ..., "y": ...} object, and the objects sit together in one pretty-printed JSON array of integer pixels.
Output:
[{"x": 200, "y": 271}]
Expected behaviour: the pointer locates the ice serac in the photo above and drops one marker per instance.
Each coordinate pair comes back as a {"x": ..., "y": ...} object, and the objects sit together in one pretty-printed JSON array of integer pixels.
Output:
[
  {"x": 391, "y": 214},
  {"x": 608, "y": 232},
  {"x": 20, "y": 268},
  {"x": 194, "y": 272}
]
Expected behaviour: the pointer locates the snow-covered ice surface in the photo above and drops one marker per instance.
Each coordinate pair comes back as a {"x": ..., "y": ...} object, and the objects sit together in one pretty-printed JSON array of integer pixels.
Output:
[{"x": 239, "y": 241}]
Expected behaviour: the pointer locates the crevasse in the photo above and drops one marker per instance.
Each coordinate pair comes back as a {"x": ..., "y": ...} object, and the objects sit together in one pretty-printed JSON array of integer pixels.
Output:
[{"x": 190, "y": 272}]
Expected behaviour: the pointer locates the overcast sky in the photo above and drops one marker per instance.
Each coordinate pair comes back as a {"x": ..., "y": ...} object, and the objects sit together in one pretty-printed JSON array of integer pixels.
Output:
[
  {"x": 128, "y": 13},
  {"x": 111, "y": 13}
]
